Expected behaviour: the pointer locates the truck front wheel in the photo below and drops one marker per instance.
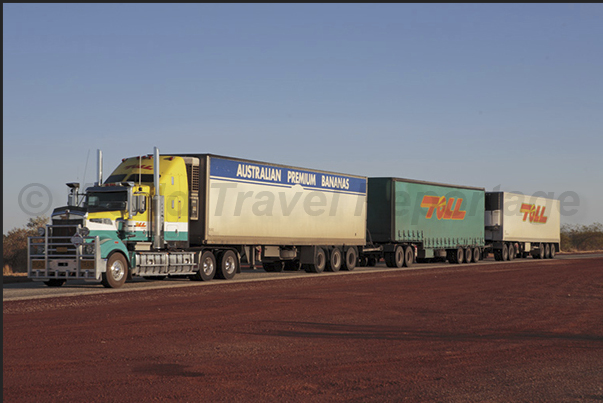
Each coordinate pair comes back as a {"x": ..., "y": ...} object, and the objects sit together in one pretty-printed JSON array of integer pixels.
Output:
[{"x": 117, "y": 271}]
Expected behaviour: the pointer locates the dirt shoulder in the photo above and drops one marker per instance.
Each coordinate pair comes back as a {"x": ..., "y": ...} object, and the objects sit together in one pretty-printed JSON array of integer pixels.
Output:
[{"x": 524, "y": 331}]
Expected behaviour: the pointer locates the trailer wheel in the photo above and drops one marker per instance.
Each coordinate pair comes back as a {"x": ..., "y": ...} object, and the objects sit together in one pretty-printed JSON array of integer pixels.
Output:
[
  {"x": 498, "y": 254},
  {"x": 54, "y": 282},
  {"x": 476, "y": 255},
  {"x": 371, "y": 261},
  {"x": 207, "y": 267},
  {"x": 505, "y": 252},
  {"x": 335, "y": 260},
  {"x": 511, "y": 251},
  {"x": 399, "y": 254},
  {"x": 409, "y": 256},
  {"x": 540, "y": 253},
  {"x": 468, "y": 255},
  {"x": 228, "y": 266},
  {"x": 351, "y": 257},
  {"x": 116, "y": 272},
  {"x": 547, "y": 251},
  {"x": 552, "y": 254},
  {"x": 458, "y": 257},
  {"x": 395, "y": 258},
  {"x": 320, "y": 261}
]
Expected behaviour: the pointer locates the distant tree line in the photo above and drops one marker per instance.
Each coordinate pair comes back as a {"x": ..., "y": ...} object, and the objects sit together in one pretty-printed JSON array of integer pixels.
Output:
[
  {"x": 14, "y": 245},
  {"x": 579, "y": 238}
]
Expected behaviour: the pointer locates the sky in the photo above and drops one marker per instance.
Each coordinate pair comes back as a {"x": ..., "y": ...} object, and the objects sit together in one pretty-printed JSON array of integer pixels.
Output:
[{"x": 502, "y": 96}]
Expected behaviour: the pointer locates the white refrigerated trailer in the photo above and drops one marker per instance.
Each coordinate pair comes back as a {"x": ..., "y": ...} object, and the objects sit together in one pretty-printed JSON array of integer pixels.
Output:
[
  {"x": 518, "y": 225},
  {"x": 297, "y": 217}
]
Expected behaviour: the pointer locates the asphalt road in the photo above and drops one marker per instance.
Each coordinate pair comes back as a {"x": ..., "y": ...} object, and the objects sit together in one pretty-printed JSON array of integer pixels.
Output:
[{"x": 36, "y": 289}]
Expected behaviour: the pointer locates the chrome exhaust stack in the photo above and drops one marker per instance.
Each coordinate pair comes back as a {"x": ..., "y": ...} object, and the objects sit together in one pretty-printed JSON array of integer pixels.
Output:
[
  {"x": 99, "y": 170},
  {"x": 157, "y": 205}
]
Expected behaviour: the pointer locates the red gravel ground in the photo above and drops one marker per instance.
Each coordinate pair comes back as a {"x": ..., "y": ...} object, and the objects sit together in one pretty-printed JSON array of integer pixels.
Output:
[{"x": 521, "y": 332}]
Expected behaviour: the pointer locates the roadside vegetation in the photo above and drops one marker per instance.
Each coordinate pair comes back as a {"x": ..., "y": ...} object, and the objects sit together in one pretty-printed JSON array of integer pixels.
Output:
[
  {"x": 581, "y": 238},
  {"x": 14, "y": 245}
]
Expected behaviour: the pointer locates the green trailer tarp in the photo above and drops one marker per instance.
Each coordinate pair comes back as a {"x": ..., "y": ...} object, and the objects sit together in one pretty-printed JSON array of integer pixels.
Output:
[{"x": 430, "y": 215}]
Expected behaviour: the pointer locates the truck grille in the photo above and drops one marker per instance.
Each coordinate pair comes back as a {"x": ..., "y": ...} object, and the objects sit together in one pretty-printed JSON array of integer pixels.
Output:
[{"x": 59, "y": 237}]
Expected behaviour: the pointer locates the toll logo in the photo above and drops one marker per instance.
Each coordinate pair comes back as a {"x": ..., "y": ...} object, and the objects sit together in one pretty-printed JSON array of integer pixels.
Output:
[
  {"x": 533, "y": 213},
  {"x": 445, "y": 209}
]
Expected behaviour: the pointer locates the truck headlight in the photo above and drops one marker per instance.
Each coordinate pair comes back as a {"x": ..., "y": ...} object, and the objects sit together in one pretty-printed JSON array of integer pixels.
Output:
[
  {"x": 41, "y": 231},
  {"x": 89, "y": 249}
]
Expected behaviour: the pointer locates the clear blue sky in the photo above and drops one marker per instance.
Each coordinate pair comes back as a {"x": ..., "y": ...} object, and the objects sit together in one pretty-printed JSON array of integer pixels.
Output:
[{"x": 501, "y": 96}]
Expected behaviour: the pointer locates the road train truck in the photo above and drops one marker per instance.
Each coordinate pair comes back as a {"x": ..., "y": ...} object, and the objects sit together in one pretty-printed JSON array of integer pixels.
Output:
[
  {"x": 520, "y": 225},
  {"x": 415, "y": 220},
  {"x": 201, "y": 215}
]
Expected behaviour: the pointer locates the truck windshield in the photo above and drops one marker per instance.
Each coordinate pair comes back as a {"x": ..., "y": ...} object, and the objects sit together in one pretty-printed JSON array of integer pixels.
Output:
[
  {"x": 115, "y": 178},
  {"x": 106, "y": 201}
]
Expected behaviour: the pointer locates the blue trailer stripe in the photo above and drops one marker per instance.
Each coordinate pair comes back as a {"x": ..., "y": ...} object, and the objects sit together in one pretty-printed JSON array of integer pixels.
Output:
[{"x": 280, "y": 176}]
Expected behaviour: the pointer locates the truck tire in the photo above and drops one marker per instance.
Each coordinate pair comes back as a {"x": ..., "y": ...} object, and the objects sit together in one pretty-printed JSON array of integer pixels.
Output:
[
  {"x": 335, "y": 260},
  {"x": 320, "y": 262},
  {"x": 229, "y": 265},
  {"x": 207, "y": 267},
  {"x": 476, "y": 255},
  {"x": 399, "y": 254},
  {"x": 553, "y": 250},
  {"x": 498, "y": 254},
  {"x": 511, "y": 251},
  {"x": 54, "y": 282},
  {"x": 351, "y": 258},
  {"x": 547, "y": 251},
  {"x": 505, "y": 252},
  {"x": 459, "y": 256},
  {"x": 409, "y": 256},
  {"x": 468, "y": 255},
  {"x": 116, "y": 272},
  {"x": 540, "y": 253}
]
